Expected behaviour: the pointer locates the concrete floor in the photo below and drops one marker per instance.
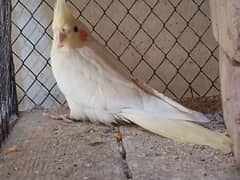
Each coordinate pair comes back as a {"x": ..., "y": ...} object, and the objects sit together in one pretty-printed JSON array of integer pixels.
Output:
[{"x": 54, "y": 150}]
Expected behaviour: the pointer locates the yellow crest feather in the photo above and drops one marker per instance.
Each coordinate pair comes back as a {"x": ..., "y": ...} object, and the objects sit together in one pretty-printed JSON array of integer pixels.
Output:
[{"x": 62, "y": 15}]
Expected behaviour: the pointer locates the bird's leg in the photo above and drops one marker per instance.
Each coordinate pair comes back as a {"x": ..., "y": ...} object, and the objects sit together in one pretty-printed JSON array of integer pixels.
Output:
[
  {"x": 226, "y": 133},
  {"x": 64, "y": 117}
]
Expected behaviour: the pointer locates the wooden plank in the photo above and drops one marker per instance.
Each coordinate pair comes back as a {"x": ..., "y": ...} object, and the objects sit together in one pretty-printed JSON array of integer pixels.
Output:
[
  {"x": 230, "y": 85},
  {"x": 225, "y": 15},
  {"x": 8, "y": 97}
]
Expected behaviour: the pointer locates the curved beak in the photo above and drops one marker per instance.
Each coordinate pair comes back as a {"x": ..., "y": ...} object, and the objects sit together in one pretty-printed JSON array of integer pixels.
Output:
[{"x": 62, "y": 36}]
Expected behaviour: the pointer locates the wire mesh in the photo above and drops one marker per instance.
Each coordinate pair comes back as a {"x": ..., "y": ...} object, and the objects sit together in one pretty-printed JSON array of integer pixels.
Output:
[{"x": 167, "y": 43}]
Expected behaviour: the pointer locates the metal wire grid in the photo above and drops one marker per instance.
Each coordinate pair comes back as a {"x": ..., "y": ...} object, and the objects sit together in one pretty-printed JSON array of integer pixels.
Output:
[{"x": 129, "y": 10}]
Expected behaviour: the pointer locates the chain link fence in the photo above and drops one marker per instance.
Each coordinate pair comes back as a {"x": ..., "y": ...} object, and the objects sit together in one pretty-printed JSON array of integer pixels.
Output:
[{"x": 167, "y": 43}]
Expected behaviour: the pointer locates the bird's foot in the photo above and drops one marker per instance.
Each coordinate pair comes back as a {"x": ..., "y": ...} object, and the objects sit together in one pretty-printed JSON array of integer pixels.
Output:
[
  {"x": 226, "y": 133},
  {"x": 65, "y": 117}
]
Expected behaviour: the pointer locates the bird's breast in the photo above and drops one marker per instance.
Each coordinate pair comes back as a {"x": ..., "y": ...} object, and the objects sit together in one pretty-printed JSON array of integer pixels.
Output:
[{"x": 86, "y": 82}]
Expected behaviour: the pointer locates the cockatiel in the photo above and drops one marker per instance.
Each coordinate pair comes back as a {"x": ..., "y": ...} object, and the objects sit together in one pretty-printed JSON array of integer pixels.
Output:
[{"x": 98, "y": 89}]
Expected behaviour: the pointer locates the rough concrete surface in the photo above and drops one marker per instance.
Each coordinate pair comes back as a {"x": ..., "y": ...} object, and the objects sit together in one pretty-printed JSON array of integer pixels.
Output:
[{"x": 55, "y": 150}]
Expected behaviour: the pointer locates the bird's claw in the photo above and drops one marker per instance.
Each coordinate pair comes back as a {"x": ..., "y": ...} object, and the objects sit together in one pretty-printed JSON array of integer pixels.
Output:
[{"x": 65, "y": 117}]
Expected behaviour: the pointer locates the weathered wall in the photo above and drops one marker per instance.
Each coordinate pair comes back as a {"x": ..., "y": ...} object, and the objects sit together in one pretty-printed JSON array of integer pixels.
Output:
[{"x": 174, "y": 51}]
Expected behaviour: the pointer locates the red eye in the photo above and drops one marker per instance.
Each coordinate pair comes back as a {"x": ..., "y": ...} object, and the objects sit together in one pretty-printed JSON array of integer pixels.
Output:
[{"x": 83, "y": 35}]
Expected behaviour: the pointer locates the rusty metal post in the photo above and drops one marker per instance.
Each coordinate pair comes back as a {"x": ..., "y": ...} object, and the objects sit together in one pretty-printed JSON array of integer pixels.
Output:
[{"x": 8, "y": 96}]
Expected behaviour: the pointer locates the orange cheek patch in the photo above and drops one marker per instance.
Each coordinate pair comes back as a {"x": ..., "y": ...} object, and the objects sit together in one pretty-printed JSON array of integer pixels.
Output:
[{"x": 83, "y": 35}]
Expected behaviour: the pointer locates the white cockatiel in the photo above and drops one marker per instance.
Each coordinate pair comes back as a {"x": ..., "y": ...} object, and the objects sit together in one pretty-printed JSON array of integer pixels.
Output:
[{"x": 98, "y": 89}]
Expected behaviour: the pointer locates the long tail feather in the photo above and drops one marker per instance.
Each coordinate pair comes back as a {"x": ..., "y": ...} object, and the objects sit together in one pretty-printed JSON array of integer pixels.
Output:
[
  {"x": 195, "y": 116},
  {"x": 181, "y": 131}
]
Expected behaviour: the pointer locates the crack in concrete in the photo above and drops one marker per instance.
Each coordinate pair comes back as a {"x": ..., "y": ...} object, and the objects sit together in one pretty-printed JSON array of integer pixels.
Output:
[{"x": 122, "y": 151}]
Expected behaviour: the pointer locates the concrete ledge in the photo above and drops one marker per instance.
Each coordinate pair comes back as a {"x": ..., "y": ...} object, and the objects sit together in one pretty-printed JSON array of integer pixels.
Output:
[{"x": 49, "y": 150}]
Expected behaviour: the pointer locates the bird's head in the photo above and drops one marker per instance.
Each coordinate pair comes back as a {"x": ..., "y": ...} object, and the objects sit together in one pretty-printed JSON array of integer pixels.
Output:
[{"x": 67, "y": 30}]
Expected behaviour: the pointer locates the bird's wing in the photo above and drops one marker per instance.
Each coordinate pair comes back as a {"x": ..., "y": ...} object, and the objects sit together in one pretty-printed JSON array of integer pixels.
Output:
[{"x": 116, "y": 71}]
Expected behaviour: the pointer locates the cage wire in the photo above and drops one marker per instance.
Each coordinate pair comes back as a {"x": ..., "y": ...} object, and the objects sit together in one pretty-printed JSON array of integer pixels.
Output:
[{"x": 167, "y": 43}]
